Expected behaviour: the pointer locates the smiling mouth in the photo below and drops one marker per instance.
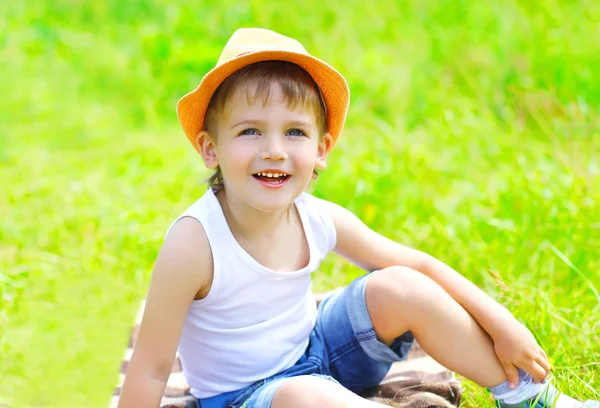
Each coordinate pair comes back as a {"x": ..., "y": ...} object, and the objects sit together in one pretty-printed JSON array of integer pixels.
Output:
[{"x": 269, "y": 177}]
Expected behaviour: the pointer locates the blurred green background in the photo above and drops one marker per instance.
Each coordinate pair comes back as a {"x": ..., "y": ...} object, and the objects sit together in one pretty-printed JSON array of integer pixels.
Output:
[{"x": 473, "y": 134}]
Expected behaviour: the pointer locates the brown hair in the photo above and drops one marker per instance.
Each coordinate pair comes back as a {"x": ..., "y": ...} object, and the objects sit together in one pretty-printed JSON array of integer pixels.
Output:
[{"x": 297, "y": 87}]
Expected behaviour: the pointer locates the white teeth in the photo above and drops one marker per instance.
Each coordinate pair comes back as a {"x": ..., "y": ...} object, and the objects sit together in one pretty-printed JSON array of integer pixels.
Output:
[{"x": 270, "y": 175}]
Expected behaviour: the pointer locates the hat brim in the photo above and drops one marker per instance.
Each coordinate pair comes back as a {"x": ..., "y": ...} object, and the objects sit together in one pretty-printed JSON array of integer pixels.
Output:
[{"x": 191, "y": 108}]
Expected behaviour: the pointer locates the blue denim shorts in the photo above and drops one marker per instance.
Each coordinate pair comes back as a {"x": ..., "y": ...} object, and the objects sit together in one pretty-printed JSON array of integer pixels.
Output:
[{"x": 343, "y": 348}]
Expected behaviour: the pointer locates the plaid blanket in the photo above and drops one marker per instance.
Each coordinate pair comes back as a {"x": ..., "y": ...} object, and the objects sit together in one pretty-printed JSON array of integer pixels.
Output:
[{"x": 417, "y": 382}]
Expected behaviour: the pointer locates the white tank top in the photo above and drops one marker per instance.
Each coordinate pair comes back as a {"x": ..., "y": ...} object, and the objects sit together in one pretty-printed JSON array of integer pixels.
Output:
[{"x": 254, "y": 322}]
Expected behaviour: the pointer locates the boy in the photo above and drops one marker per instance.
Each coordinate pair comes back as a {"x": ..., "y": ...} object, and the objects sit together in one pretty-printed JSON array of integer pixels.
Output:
[{"x": 231, "y": 286}]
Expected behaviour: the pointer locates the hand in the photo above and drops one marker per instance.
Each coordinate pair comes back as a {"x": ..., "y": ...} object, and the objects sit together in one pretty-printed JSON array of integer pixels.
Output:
[{"x": 517, "y": 348}]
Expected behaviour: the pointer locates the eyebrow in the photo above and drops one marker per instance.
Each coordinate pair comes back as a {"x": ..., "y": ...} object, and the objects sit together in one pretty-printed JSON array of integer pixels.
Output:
[
  {"x": 246, "y": 122},
  {"x": 300, "y": 123}
]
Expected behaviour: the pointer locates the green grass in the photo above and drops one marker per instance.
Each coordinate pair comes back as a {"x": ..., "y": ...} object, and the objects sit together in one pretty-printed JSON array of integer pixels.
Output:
[{"x": 472, "y": 134}]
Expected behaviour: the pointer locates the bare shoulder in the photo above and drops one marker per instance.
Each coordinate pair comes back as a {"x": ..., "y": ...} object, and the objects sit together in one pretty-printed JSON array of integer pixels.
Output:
[
  {"x": 340, "y": 215},
  {"x": 350, "y": 230},
  {"x": 358, "y": 243},
  {"x": 182, "y": 271},
  {"x": 186, "y": 255}
]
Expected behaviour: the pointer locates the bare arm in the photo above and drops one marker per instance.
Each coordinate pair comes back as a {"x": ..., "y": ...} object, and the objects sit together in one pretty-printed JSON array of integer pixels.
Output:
[
  {"x": 183, "y": 268},
  {"x": 372, "y": 251}
]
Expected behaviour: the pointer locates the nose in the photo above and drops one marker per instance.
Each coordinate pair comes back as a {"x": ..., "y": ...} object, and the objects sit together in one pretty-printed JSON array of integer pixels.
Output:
[{"x": 273, "y": 149}]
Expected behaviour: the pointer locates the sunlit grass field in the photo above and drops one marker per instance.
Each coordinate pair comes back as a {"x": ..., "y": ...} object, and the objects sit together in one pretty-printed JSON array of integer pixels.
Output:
[{"x": 473, "y": 134}]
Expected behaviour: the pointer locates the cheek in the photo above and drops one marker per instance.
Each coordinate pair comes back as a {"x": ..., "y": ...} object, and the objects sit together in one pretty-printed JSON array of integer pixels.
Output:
[
  {"x": 306, "y": 155},
  {"x": 236, "y": 155}
]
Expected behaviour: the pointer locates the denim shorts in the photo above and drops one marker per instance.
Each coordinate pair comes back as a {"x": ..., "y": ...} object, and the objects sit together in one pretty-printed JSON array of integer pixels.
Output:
[{"x": 343, "y": 348}]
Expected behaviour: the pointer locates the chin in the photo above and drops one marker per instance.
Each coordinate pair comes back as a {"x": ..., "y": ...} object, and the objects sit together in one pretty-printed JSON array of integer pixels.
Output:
[
  {"x": 272, "y": 201},
  {"x": 272, "y": 204}
]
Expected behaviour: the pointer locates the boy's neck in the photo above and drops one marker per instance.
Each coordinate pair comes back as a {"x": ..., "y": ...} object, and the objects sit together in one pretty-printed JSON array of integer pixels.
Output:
[{"x": 249, "y": 222}]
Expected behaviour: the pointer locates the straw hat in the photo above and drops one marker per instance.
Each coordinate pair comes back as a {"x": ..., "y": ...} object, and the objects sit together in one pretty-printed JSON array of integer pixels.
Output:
[{"x": 249, "y": 45}]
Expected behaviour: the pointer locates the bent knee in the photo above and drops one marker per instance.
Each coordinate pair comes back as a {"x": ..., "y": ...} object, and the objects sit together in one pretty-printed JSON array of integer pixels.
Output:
[
  {"x": 400, "y": 284},
  {"x": 311, "y": 392}
]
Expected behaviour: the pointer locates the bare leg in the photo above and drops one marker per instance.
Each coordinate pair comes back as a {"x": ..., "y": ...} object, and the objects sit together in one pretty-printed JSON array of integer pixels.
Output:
[
  {"x": 313, "y": 392},
  {"x": 400, "y": 299}
]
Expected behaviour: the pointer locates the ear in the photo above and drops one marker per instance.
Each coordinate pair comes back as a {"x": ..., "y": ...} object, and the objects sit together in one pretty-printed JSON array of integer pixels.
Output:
[
  {"x": 325, "y": 146},
  {"x": 206, "y": 147}
]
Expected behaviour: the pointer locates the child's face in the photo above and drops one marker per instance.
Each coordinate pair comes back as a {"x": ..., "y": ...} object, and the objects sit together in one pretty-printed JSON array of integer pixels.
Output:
[{"x": 253, "y": 139}]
